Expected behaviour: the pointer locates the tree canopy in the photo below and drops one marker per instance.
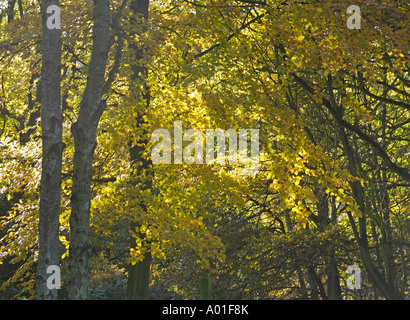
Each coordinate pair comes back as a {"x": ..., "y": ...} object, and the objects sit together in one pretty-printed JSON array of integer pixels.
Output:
[{"x": 79, "y": 106}]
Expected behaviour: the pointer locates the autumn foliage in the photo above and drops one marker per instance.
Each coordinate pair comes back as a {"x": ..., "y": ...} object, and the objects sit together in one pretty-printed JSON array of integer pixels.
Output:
[{"x": 332, "y": 106}]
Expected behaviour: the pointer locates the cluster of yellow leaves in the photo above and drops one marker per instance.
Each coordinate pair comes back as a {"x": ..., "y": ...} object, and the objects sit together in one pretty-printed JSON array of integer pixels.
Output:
[{"x": 20, "y": 170}]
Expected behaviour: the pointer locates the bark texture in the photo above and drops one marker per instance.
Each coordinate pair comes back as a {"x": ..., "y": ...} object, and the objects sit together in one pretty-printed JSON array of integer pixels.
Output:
[
  {"x": 52, "y": 146},
  {"x": 84, "y": 133}
]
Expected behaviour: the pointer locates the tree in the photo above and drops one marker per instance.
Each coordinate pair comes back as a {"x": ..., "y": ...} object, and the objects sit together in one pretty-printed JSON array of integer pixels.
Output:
[
  {"x": 51, "y": 125},
  {"x": 273, "y": 58},
  {"x": 84, "y": 132},
  {"x": 331, "y": 105},
  {"x": 139, "y": 272}
]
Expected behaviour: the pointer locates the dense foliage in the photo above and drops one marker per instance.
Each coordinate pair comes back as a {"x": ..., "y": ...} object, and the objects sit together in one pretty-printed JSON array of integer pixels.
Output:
[{"x": 332, "y": 106}]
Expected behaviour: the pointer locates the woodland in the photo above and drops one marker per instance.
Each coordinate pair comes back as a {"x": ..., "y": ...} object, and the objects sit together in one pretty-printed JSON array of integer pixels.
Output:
[{"x": 84, "y": 84}]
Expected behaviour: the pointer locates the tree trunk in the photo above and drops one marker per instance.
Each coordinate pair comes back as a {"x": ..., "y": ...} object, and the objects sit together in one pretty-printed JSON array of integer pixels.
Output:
[
  {"x": 334, "y": 292},
  {"x": 80, "y": 245},
  {"x": 205, "y": 288},
  {"x": 138, "y": 276},
  {"x": 52, "y": 146},
  {"x": 10, "y": 9},
  {"x": 360, "y": 233},
  {"x": 139, "y": 273},
  {"x": 333, "y": 282},
  {"x": 84, "y": 133}
]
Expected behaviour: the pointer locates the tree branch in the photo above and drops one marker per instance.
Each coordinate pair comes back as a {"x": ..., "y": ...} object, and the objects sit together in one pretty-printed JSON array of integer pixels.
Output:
[
  {"x": 383, "y": 99},
  {"x": 118, "y": 52},
  {"x": 402, "y": 172},
  {"x": 234, "y": 34}
]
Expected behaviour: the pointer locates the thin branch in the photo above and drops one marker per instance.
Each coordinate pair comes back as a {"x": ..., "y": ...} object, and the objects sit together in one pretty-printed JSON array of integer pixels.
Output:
[
  {"x": 383, "y": 99},
  {"x": 118, "y": 52},
  {"x": 402, "y": 172},
  {"x": 117, "y": 58},
  {"x": 234, "y": 34}
]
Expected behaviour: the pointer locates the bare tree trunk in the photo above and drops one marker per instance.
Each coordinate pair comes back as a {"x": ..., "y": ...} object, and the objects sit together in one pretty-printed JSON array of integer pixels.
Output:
[
  {"x": 84, "y": 133},
  {"x": 52, "y": 144}
]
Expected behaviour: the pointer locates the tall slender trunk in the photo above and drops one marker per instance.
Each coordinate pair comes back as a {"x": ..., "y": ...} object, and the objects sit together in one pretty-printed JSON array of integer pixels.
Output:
[
  {"x": 84, "y": 133},
  {"x": 80, "y": 245},
  {"x": 334, "y": 292},
  {"x": 384, "y": 201},
  {"x": 52, "y": 146},
  {"x": 139, "y": 273},
  {"x": 360, "y": 233},
  {"x": 333, "y": 282}
]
